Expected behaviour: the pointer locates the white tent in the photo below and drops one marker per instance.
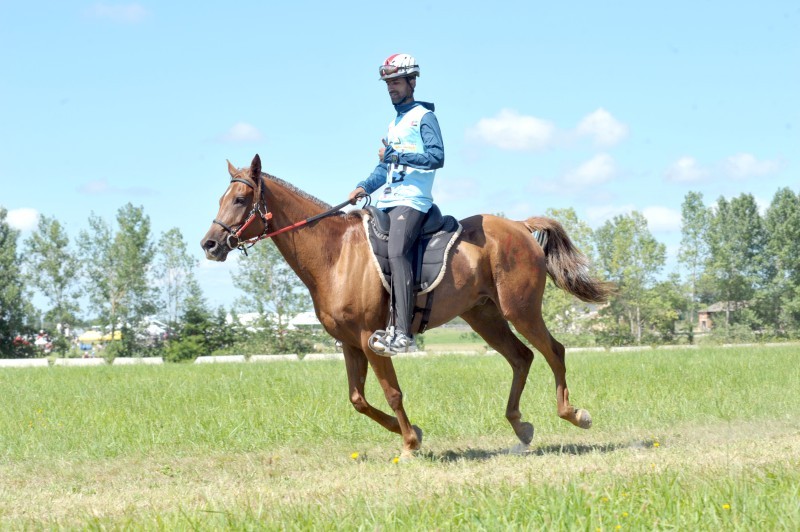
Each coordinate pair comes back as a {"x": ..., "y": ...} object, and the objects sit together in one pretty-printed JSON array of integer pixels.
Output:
[{"x": 304, "y": 319}]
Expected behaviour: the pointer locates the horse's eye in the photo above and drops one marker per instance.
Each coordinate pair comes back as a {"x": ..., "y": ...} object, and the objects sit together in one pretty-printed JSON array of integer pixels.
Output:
[{"x": 239, "y": 200}]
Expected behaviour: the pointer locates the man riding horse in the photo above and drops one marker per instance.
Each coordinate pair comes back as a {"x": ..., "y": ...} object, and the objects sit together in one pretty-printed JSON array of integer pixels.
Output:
[{"x": 411, "y": 153}]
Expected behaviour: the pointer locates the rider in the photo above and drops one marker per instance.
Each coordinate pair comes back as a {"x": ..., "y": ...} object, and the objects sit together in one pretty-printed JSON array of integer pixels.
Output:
[{"x": 409, "y": 157}]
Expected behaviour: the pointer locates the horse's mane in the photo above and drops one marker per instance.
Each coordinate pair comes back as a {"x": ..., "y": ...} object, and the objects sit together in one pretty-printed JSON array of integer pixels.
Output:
[
  {"x": 297, "y": 191},
  {"x": 355, "y": 213}
]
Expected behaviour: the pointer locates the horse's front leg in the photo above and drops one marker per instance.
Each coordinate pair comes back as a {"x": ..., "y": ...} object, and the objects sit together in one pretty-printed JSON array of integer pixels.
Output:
[
  {"x": 356, "y": 364},
  {"x": 387, "y": 378}
]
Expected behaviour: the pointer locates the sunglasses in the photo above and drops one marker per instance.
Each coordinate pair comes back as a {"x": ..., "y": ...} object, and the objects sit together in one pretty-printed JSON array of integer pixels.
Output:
[{"x": 388, "y": 70}]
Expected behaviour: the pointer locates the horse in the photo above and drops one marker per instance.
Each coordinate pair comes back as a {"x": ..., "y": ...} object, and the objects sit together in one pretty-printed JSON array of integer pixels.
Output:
[{"x": 495, "y": 278}]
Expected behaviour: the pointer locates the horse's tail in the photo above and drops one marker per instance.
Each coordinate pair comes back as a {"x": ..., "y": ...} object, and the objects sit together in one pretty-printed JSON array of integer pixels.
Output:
[{"x": 566, "y": 265}]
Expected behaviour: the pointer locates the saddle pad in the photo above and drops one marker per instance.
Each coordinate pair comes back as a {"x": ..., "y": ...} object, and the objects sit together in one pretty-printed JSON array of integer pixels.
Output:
[{"x": 435, "y": 249}]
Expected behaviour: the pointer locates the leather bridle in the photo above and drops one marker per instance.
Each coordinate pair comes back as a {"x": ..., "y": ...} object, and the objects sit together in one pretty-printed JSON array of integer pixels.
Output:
[{"x": 259, "y": 210}]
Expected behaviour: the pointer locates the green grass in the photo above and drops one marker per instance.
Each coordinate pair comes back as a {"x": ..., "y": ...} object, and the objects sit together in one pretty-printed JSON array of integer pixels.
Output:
[{"x": 690, "y": 439}]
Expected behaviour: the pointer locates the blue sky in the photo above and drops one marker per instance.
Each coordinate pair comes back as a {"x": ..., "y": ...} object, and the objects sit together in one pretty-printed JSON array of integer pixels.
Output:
[{"x": 605, "y": 107}]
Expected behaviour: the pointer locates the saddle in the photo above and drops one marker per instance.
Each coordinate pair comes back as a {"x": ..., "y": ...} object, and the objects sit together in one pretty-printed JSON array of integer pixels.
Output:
[{"x": 429, "y": 255}]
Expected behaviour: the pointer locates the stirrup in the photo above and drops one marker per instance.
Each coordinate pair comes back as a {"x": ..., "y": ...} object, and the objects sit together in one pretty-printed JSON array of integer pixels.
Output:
[{"x": 382, "y": 338}]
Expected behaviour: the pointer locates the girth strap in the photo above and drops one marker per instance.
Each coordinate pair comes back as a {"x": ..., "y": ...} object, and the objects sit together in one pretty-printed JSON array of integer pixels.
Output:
[{"x": 426, "y": 311}]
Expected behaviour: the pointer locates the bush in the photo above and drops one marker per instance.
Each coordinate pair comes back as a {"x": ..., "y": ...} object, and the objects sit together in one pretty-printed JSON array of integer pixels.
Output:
[
  {"x": 185, "y": 349},
  {"x": 736, "y": 334},
  {"x": 615, "y": 335}
]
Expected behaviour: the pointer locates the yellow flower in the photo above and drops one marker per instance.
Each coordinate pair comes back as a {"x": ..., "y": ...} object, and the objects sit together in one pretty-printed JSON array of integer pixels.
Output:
[
  {"x": 396, "y": 460},
  {"x": 624, "y": 514},
  {"x": 726, "y": 506},
  {"x": 354, "y": 456},
  {"x": 618, "y": 527},
  {"x": 603, "y": 499},
  {"x": 656, "y": 444}
]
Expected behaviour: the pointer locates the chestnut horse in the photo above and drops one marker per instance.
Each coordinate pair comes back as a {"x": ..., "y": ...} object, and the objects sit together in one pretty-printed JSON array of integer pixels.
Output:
[{"x": 495, "y": 277}]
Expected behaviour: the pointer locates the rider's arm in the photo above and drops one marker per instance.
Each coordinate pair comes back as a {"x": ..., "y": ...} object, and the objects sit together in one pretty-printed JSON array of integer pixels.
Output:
[
  {"x": 375, "y": 179},
  {"x": 433, "y": 157}
]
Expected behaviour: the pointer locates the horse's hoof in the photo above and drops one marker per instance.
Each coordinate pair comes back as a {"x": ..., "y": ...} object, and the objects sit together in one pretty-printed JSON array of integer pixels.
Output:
[
  {"x": 525, "y": 433},
  {"x": 407, "y": 456},
  {"x": 419, "y": 435},
  {"x": 583, "y": 418}
]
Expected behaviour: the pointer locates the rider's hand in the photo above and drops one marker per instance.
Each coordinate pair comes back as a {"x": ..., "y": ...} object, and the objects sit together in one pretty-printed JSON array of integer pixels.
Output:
[
  {"x": 355, "y": 193},
  {"x": 387, "y": 154}
]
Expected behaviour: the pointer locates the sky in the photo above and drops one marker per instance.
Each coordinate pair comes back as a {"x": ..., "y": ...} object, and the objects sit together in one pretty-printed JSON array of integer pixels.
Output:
[{"x": 602, "y": 107}]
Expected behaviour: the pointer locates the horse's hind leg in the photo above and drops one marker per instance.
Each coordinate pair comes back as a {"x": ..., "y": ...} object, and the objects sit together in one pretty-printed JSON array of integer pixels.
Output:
[
  {"x": 535, "y": 331},
  {"x": 487, "y": 321}
]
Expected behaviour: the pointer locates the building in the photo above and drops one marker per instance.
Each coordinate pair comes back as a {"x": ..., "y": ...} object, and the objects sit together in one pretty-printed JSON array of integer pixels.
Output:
[{"x": 716, "y": 313}]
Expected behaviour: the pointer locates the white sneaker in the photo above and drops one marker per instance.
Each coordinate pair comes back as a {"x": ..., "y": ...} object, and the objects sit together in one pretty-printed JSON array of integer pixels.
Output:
[{"x": 402, "y": 343}]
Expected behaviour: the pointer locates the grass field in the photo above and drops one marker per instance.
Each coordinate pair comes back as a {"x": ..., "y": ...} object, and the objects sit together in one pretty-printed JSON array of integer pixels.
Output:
[{"x": 704, "y": 439}]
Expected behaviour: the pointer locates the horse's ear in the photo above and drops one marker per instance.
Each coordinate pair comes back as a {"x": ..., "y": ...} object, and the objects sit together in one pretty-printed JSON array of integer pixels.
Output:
[
  {"x": 231, "y": 168},
  {"x": 255, "y": 167}
]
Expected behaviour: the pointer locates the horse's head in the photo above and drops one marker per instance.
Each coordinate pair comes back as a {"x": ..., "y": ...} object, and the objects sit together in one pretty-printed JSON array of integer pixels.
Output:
[{"x": 242, "y": 212}]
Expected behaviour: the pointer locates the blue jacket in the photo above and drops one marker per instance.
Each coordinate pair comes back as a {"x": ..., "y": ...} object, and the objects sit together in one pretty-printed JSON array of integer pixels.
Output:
[{"x": 431, "y": 159}]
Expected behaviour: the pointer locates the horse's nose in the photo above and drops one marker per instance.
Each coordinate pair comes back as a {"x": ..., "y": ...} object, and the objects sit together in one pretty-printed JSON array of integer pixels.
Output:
[{"x": 209, "y": 245}]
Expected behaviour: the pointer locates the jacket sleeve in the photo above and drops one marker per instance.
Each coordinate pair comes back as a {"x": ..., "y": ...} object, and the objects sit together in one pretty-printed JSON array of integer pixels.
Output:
[
  {"x": 433, "y": 157},
  {"x": 375, "y": 179}
]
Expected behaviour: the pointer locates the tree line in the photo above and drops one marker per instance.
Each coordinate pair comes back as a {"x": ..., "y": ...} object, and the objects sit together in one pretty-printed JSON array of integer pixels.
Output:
[
  {"x": 730, "y": 254},
  {"x": 115, "y": 276}
]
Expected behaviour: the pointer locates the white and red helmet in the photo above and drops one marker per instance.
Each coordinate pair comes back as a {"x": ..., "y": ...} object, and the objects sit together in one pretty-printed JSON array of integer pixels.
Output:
[{"x": 399, "y": 66}]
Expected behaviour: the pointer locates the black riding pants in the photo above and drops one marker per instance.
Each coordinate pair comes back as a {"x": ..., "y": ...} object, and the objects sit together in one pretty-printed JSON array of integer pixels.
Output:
[{"x": 404, "y": 227}]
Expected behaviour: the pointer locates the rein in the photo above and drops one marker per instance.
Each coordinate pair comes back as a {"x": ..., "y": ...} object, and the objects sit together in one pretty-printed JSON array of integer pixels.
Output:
[{"x": 234, "y": 240}]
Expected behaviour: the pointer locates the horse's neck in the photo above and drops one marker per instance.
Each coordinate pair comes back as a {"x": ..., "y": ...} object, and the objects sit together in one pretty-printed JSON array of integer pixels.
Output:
[{"x": 305, "y": 249}]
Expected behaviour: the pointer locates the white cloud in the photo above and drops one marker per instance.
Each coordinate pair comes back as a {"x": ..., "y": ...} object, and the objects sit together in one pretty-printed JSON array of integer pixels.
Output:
[
  {"x": 745, "y": 166},
  {"x": 242, "y": 132},
  {"x": 740, "y": 166},
  {"x": 597, "y": 170},
  {"x": 658, "y": 218},
  {"x": 604, "y": 129},
  {"x": 130, "y": 13},
  {"x": 662, "y": 218},
  {"x": 686, "y": 170},
  {"x": 602, "y": 213},
  {"x": 23, "y": 219},
  {"x": 511, "y": 131},
  {"x": 100, "y": 187},
  {"x": 454, "y": 190}
]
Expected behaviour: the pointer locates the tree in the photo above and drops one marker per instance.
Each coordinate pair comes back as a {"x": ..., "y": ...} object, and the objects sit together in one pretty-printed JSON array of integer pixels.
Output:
[
  {"x": 629, "y": 256},
  {"x": 781, "y": 299},
  {"x": 175, "y": 273},
  {"x": 736, "y": 261},
  {"x": 194, "y": 337},
  {"x": 15, "y": 310},
  {"x": 695, "y": 219},
  {"x": 53, "y": 268},
  {"x": 782, "y": 225},
  {"x": 222, "y": 335},
  {"x": 117, "y": 265},
  {"x": 275, "y": 292},
  {"x": 270, "y": 285}
]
